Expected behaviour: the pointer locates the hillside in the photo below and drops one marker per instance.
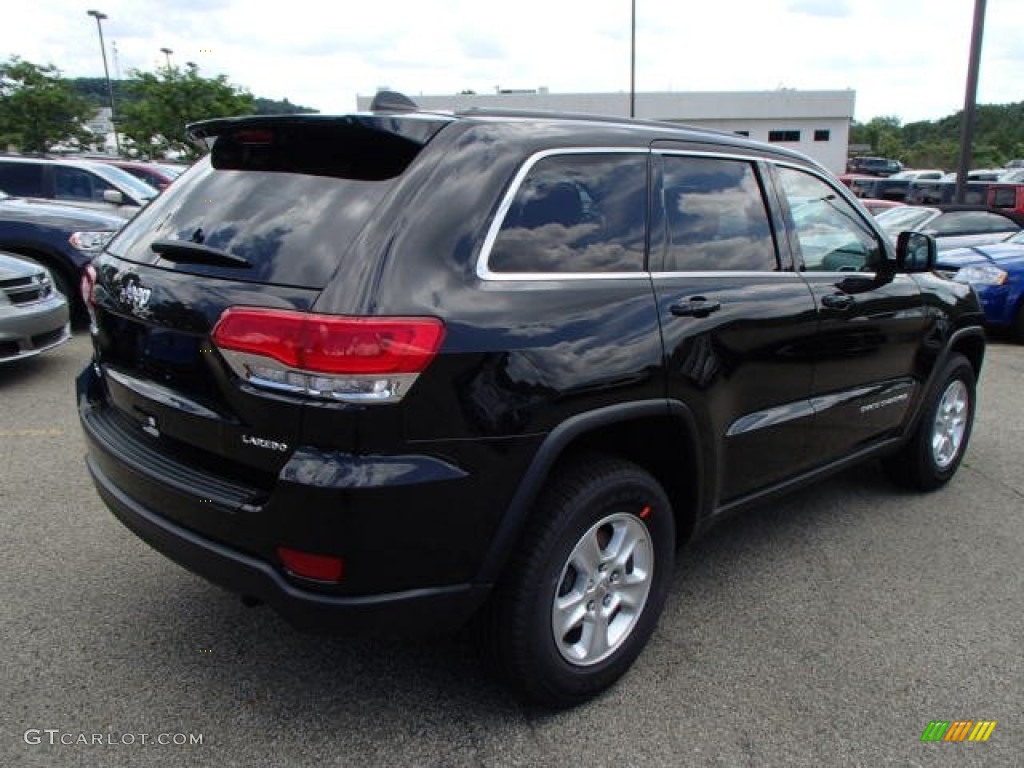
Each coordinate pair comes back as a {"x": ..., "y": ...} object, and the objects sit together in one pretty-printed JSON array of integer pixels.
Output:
[
  {"x": 998, "y": 138},
  {"x": 95, "y": 90}
]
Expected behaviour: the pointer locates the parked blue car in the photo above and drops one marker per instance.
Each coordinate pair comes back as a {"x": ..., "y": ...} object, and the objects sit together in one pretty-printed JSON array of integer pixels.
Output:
[{"x": 997, "y": 273}]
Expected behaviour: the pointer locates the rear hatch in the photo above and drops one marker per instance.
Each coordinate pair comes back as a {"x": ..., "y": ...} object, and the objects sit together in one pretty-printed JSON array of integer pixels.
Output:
[{"x": 261, "y": 225}]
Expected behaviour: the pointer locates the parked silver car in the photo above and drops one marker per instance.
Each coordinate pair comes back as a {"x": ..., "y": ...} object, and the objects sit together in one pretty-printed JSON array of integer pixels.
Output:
[
  {"x": 33, "y": 315},
  {"x": 952, "y": 226},
  {"x": 79, "y": 183}
]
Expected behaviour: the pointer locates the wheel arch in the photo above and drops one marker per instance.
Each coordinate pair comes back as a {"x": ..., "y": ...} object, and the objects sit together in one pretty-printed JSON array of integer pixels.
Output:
[
  {"x": 969, "y": 342},
  {"x": 658, "y": 435}
]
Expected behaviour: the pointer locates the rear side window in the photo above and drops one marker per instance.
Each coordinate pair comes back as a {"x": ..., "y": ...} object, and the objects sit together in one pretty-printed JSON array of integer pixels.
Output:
[
  {"x": 22, "y": 179},
  {"x": 576, "y": 213},
  {"x": 1004, "y": 197},
  {"x": 716, "y": 216}
]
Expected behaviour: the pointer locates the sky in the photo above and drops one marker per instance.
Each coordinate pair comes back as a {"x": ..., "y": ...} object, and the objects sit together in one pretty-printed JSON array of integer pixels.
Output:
[{"x": 904, "y": 58}]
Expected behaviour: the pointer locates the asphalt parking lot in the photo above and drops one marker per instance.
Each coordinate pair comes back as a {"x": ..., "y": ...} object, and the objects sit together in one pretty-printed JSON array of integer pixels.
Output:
[{"x": 828, "y": 629}]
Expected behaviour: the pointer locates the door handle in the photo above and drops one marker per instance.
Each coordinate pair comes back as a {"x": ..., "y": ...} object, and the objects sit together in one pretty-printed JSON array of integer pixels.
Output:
[
  {"x": 695, "y": 306},
  {"x": 837, "y": 301}
]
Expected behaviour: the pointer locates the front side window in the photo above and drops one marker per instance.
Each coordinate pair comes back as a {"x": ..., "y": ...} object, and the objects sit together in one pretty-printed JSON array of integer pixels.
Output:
[
  {"x": 716, "y": 216},
  {"x": 78, "y": 185},
  {"x": 830, "y": 234},
  {"x": 576, "y": 213}
]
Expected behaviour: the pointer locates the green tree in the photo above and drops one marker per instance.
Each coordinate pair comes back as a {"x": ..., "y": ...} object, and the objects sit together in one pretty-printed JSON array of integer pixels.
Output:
[
  {"x": 160, "y": 105},
  {"x": 39, "y": 109},
  {"x": 882, "y": 134}
]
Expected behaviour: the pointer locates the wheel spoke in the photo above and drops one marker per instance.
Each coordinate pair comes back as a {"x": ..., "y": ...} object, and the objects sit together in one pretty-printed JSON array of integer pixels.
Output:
[
  {"x": 631, "y": 539},
  {"x": 587, "y": 556},
  {"x": 632, "y": 593},
  {"x": 569, "y": 611},
  {"x": 595, "y": 636}
]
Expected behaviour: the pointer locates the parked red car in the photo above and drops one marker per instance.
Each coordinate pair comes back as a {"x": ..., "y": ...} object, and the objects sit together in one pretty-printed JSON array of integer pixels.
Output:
[
  {"x": 1007, "y": 196},
  {"x": 151, "y": 173}
]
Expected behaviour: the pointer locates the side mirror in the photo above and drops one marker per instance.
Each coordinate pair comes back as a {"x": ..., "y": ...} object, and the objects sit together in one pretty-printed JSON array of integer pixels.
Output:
[
  {"x": 915, "y": 252},
  {"x": 113, "y": 196}
]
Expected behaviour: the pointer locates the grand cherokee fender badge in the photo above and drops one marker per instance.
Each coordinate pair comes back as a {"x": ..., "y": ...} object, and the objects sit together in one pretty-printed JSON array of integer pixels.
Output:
[
  {"x": 883, "y": 403},
  {"x": 134, "y": 296},
  {"x": 262, "y": 442}
]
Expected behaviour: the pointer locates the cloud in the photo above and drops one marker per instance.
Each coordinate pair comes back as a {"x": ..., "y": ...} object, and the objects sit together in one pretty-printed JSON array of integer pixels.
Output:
[
  {"x": 830, "y": 9},
  {"x": 478, "y": 46}
]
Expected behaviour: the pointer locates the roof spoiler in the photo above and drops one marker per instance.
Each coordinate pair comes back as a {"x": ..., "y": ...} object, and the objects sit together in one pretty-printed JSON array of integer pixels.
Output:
[{"x": 392, "y": 101}]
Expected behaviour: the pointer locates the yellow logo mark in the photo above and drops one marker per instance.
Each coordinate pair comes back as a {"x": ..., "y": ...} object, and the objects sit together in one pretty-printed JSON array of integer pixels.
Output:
[
  {"x": 958, "y": 730},
  {"x": 982, "y": 730}
]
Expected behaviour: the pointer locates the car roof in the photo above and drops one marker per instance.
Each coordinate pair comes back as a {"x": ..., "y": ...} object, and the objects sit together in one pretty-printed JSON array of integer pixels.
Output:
[
  {"x": 589, "y": 128},
  {"x": 74, "y": 162},
  {"x": 1008, "y": 212}
]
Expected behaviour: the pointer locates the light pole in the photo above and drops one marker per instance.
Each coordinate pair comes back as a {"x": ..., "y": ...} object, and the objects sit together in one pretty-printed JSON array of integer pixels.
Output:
[
  {"x": 167, "y": 52},
  {"x": 100, "y": 16},
  {"x": 632, "y": 63},
  {"x": 970, "y": 99}
]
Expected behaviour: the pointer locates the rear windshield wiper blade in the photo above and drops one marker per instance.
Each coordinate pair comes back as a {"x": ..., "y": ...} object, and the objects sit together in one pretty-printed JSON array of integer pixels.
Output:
[{"x": 186, "y": 252}]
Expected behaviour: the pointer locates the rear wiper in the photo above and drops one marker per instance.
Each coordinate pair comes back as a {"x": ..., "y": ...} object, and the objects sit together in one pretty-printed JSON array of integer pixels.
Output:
[{"x": 186, "y": 252}]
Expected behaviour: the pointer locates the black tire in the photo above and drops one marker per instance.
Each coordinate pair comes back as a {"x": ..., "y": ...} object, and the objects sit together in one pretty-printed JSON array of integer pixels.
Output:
[
  {"x": 592, "y": 509},
  {"x": 1018, "y": 324},
  {"x": 938, "y": 444}
]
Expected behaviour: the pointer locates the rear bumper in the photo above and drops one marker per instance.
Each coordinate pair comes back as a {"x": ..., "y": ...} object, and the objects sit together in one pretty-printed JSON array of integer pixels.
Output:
[
  {"x": 229, "y": 538},
  {"x": 431, "y": 610}
]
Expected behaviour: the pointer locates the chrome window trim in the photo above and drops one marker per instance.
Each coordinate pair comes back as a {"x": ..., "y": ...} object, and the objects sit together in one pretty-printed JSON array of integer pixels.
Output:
[
  {"x": 716, "y": 273},
  {"x": 483, "y": 270}
]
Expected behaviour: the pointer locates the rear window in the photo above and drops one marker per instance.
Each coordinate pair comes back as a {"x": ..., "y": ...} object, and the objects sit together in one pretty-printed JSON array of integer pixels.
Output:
[{"x": 290, "y": 209}]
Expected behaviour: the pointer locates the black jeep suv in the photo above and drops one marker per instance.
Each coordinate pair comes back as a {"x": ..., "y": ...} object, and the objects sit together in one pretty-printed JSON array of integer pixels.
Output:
[{"x": 400, "y": 369}]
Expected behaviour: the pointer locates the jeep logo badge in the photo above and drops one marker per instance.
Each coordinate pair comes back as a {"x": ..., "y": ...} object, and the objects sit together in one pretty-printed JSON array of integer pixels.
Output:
[{"x": 135, "y": 296}]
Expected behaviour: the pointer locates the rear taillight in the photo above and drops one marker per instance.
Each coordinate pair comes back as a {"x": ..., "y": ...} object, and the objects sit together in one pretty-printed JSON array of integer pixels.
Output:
[
  {"x": 88, "y": 290},
  {"x": 355, "y": 359},
  {"x": 88, "y": 285}
]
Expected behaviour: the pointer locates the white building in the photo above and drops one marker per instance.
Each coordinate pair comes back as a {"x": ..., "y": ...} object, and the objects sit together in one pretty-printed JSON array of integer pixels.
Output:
[
  {"x": 102, "y": 126},
  {"x": 816, "y": 123}
]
